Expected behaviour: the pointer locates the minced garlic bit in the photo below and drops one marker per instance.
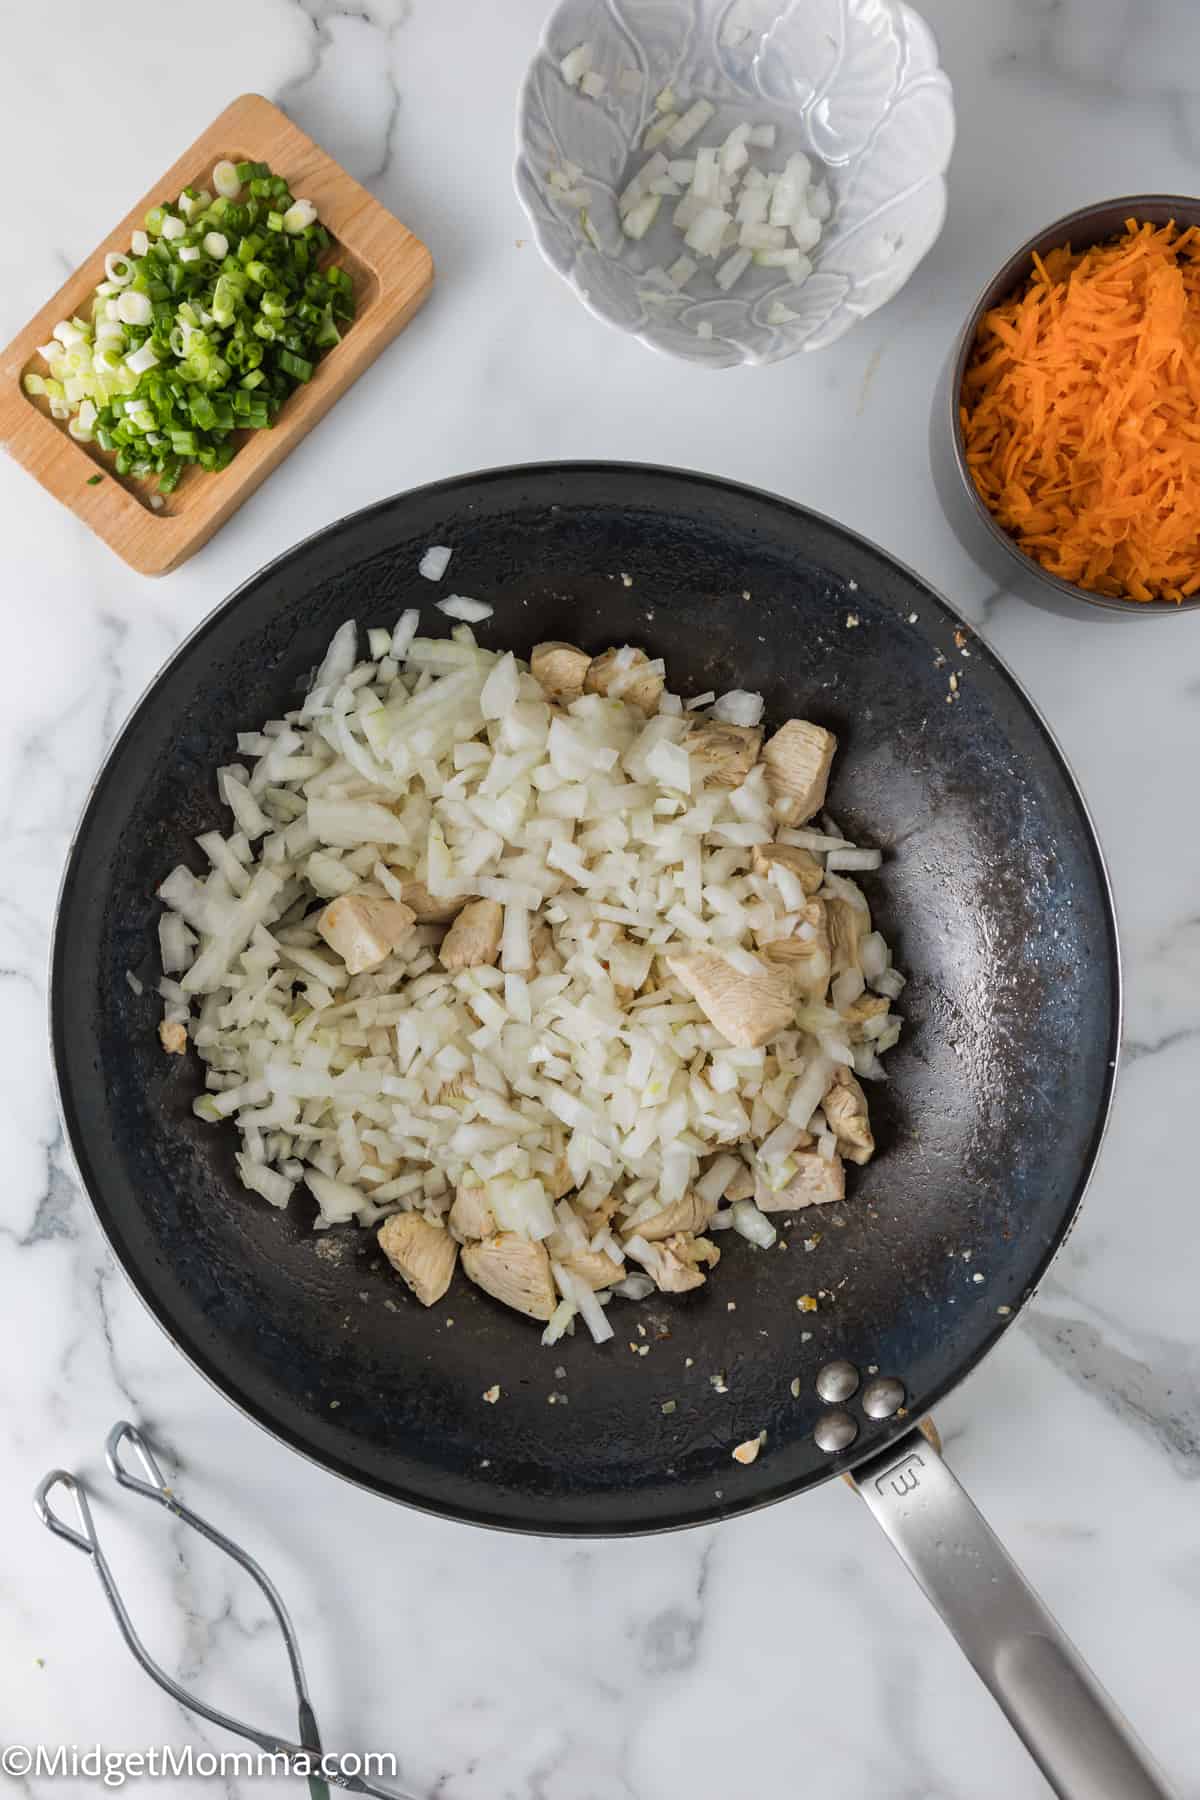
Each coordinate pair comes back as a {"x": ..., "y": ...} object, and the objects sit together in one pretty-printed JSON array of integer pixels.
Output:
[
  {"x": 851, "y": 621},
  {"x": 491, "y": 1395},
  {"x": 748, "y": 1452},
  {"x": 668, "y": 1406},
  {"x": 718, "y": 1382},
  {"x": 807, "y": 1303},
  {"x": 795, "y": 1387}
]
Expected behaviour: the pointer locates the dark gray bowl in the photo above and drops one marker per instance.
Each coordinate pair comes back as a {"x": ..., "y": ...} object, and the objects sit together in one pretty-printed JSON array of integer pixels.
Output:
[{"x": 982, "y": 538}]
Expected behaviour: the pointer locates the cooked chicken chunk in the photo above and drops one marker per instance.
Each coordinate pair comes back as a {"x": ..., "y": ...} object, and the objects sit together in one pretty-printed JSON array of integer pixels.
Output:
[
  {"x": 560, "y": 670},
  {"x": 671, "y": 1276},
  {"x": 429, "y": 909},
  {"x": 474, "y": 937},
  {"x": 593, "y": 1266},
  {"x": 802, "y": 863},
  {"x": 560, "y": 1181},
  {"x": 815, "y": 1183},
  {"x": 807, "y": 958},
  {"x": 845, "y": 1108},
  {"x": 640, "y": 691},
  {"x": 514, "y": 1271},
  {"x": 798, "y": 759},
  {"x": 741, "y": 1186},
  {"x": 420, "y": 1252},
  {"x": 746, "y": 1009},
  {"x": 598, "y": 1216},
  {"x": 689, "y": 1214},
  {"x": 673, "y": 1272},
  {"x": 726, "y": 753},
  {"x": 848, "y": 925},
  {"x": 694, "y": 1250},
  {"x": 173, "y": 1038},
  {"x": 363, "y": 930},
  {"x": 471, "y": 1216},
  {"x": 541, "y": 939},
  {"x": 867, "y": 1006}
]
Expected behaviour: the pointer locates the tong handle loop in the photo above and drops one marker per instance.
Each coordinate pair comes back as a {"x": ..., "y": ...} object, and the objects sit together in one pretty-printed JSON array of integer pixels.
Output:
[
  {"x": 123, "y": 1433},
  {"x": 86, "y": 1539}
]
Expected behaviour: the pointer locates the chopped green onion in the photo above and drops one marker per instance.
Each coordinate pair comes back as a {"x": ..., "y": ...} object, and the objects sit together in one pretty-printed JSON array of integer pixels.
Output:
[
  {"x": 295, "y": 365},
  {"x": 299, "y": 216},
  {"x": 94, "y": 480},
  {"x": 202, "y": 330},
  {"x": 134, "y": 309}
]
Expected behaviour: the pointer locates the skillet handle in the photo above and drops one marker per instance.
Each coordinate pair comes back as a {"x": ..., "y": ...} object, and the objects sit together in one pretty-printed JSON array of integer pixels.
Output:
[{"x": 1070, "y": 1727}]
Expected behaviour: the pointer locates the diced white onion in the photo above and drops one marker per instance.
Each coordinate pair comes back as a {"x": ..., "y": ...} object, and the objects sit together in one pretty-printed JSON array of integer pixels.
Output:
[
  {"x": 571, "y": 1287},
  {"x": 435, "y": 562},
  {"x": 889, "y": 983},
  {"x": 575, "y": 64},
  {"x": 739, "y": 708},
  {"x": 854, "y": 859},
  {"x": 437, "y": 763},
  {"x": 459, "y": 606},
  {"x": 753, "y": 1225}
]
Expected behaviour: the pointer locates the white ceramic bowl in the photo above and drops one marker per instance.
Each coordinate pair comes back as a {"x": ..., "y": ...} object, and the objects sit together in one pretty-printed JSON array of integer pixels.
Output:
[{"x": 853, "y": 83}]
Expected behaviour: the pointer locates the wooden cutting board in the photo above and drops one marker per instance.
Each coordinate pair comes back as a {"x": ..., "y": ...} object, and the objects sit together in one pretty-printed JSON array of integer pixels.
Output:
[{"x": 392, "y": 272}]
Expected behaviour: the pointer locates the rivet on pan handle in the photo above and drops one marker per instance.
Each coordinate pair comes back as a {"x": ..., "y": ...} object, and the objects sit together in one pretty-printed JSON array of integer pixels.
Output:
[{"x": 1082, "y": 1744}]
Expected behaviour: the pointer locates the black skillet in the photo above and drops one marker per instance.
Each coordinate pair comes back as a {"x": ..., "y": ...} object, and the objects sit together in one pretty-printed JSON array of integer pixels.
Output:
[{"x": 993, "y": 894}]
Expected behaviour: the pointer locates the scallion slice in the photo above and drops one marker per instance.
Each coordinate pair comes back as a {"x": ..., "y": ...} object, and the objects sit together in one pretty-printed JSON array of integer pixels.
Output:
[{"x": 217, "y": 312}]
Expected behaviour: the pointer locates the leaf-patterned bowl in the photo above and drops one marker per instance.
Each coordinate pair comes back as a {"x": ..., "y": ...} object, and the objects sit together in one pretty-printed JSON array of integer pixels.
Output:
[{"x": 853, "y": 83}]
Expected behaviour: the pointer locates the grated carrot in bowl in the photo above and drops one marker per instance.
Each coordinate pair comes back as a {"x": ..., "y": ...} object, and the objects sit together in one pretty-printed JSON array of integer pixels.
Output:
[{"x": 1080, "y": 414}]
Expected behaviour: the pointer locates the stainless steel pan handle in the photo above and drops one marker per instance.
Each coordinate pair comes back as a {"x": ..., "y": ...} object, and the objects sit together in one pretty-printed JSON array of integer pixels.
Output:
[{"x": 1070, "y": 1727}]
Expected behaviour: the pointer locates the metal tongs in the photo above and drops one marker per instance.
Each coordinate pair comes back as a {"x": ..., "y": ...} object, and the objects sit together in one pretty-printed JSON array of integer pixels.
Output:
[{"x": 305, "y": 1758}]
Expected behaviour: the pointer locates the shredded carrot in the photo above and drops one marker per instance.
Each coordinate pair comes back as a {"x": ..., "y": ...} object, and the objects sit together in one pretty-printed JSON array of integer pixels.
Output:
[{"x": 1081, "y": 414}]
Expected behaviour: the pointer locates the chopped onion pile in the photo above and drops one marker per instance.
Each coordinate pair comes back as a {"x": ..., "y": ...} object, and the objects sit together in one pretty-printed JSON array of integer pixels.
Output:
[
  {"x": 570, "y": 1057},
  {"x": 216, "y": 314},
  {"x": 726, "y": 206}
]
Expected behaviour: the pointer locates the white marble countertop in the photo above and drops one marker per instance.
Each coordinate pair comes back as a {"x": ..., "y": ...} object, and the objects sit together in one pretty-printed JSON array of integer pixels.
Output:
[{"x": 788, "y": 1652}]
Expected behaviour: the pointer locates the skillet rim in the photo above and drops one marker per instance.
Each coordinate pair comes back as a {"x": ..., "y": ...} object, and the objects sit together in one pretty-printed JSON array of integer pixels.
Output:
[{"x": 716, "y": 1510}]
